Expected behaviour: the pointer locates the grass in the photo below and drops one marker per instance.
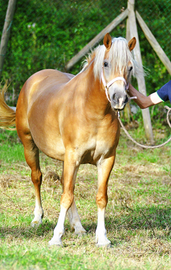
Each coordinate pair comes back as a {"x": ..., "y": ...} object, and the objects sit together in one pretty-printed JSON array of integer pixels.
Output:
[{"x": 138, "y": 215}]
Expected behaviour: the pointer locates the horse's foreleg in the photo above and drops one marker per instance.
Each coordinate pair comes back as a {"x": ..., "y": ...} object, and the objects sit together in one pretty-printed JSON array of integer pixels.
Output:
[
  {"x": 68, "y": 181},
  {"x": 32, "y": 158},
  {"x": 104, "y": 168}
]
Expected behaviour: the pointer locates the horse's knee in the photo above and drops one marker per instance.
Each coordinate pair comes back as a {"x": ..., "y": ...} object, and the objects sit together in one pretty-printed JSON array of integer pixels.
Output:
[
  {"x": 101, "y": 200},
  {"x": 62, "y": 181},
  {"x": 36, "y": 177},
  {"x": 67, "y": 199}
]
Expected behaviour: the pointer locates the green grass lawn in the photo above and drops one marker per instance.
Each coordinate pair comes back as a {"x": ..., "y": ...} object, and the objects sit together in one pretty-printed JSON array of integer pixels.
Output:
[{"x": 138, "y": 215}]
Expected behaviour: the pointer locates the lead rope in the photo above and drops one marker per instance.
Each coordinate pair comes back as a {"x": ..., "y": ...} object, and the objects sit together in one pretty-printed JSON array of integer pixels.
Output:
[{"x": 142, "y": 145}]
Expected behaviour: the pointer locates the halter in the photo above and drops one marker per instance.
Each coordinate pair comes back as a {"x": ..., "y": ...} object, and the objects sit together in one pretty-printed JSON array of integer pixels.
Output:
[{"x": 107, "y": 85}]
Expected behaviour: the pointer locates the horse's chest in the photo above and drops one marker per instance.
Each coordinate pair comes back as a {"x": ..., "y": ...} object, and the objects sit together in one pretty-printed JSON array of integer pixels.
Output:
[
  {"x": 102, "y": 149},
  {"x": 101, "y": 143},
  {"x": 97, "y": 149}
]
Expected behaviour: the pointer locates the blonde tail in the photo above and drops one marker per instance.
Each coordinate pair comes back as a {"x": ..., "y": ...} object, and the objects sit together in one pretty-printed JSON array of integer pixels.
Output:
[{"x": 7, "y": 114}]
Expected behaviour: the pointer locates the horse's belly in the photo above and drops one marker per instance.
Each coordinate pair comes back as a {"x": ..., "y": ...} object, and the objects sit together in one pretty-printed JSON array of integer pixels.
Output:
[
  {"x": 54, "y": 150},
  {"x": 48, "y": 140}
]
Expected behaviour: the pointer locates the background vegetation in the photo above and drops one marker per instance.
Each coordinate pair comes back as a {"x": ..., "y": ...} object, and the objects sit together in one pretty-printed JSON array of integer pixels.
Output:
[{"x": 47, "y": 34}]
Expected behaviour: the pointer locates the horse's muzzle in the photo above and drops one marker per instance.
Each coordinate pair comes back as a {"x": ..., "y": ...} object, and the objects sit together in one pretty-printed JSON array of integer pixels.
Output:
[{"x": 118, "y": 102}]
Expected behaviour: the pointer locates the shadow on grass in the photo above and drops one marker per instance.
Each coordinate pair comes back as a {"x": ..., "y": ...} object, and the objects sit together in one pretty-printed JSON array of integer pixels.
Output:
[
  {"x": 142, "y": 218},
  {"x": 153, "y": 219},
  {"x": 27, "y": 232}
]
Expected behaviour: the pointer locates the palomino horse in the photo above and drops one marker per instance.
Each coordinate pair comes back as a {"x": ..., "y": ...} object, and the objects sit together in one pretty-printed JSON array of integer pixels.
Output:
[{"x": 74, "y": 119}]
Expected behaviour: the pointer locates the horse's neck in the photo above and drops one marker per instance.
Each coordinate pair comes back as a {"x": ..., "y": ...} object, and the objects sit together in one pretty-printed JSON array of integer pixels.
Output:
[{"x": 96, "y": 99}]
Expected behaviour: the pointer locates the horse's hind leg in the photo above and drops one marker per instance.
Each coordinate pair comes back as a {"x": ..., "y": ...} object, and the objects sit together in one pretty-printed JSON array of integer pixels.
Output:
[
  {"x": 31, "y": 153},
  {"x": 73, "y": 216},
  {"x": 74, "y": 220}
]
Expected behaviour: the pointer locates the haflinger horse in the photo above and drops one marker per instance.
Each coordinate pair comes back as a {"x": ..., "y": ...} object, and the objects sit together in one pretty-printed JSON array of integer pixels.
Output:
[{"x": 74, "y": 119}]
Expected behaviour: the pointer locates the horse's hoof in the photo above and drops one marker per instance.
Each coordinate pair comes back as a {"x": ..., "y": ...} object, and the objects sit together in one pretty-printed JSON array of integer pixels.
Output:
[
  {"x": 55, "y": 242},
  {"x": 36, "y": 223},
  {"x": 107, "y": 244},
  {"x": 103, "y": 242},
  {"x": 80, "y": 232}
]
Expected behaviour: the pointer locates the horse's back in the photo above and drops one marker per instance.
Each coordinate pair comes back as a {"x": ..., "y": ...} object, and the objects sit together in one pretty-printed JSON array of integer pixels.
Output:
[
  {"x": 40, "y": 82},
  {"x": 33, "y": 106}
]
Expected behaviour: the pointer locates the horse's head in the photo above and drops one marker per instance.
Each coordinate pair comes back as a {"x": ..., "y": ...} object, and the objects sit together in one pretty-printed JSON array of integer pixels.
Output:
[{"x": 116, "y": 69}]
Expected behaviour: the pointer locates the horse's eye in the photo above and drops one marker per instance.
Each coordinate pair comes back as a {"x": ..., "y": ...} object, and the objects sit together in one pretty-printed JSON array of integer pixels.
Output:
[
  {"x": 106, "y": 64},
  {"x": 130, "y": 68}
]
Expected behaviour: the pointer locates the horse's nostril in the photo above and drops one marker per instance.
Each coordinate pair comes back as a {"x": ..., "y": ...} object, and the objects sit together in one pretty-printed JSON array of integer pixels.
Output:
[
  {"x": 119, "y": 98},
  {"x": 113, "y": 96},
  {"x": 126, "y": 99}
]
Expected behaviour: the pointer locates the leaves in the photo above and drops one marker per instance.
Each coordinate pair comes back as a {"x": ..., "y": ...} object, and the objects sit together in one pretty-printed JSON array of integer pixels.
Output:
[{"x": 47, "y": 34}]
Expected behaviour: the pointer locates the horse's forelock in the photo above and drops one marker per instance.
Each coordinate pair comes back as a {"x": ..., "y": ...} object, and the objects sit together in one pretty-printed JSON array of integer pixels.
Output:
[
  {"x": 99, "y": 59},
  {"x": 119, "y": 57}
]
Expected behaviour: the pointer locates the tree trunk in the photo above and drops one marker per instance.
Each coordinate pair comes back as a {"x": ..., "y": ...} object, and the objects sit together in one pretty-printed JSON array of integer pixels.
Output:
[
  {"x": 6, "y": 32},
  {"x": 141, "y": 81}
]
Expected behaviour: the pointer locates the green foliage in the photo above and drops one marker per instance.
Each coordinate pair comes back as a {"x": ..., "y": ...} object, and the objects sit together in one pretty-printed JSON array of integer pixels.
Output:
[
  {"x": 156, "y": 16},
  {"x": 11, "y": 149},
  {"x": 47, "y": 34}
]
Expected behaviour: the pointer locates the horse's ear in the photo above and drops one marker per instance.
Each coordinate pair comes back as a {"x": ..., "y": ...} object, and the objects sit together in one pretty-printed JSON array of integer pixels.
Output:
[
  {"x": 132, "y": 43},
  {"x": 107, "y": 41}
]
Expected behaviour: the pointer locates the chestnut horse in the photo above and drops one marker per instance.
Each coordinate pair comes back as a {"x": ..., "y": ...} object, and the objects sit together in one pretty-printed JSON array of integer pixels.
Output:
[{"x": 74, "y": 119}]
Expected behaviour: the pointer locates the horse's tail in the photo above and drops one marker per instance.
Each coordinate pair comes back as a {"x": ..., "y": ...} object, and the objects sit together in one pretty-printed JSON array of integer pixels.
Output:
[{"x": 7, "y": 114}]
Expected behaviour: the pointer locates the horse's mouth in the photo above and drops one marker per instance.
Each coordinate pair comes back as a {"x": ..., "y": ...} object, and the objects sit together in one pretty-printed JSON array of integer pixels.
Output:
[
  {"x": 117, "y": 107},
  {"x": 119, "y": 104}
]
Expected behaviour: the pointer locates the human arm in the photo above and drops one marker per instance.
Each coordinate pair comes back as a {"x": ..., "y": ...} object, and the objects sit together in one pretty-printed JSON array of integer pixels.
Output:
[{"x": 142, "y": 100}]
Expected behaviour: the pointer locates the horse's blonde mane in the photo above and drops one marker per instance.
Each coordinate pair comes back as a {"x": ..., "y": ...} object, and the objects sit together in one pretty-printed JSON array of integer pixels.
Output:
[{"x": 119, "y": 57}]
